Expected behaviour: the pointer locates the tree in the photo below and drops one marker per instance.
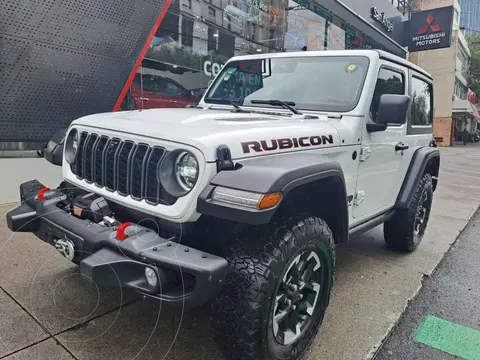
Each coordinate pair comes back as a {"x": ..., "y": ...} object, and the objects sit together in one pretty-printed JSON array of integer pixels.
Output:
[
  {"x": 474, "y": 68},
  {"x": 420, "y": 110}
]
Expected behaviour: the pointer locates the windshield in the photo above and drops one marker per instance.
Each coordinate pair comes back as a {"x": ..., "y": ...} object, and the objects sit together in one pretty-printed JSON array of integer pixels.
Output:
[{"x": 322, "y": 83}]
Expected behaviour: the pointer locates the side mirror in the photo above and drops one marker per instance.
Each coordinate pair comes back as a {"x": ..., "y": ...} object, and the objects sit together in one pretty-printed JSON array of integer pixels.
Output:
[
  {"x": 53, "y": 152},
  {"x": 393, "y": 109}
]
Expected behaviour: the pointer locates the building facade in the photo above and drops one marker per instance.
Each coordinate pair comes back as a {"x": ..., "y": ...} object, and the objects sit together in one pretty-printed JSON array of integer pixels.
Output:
[
  {"x": 454, "y": 113},
  {"x": 470, "y": 18},
  {"x": 464, "y": 112},
  {"x": 197, "y": 37}
]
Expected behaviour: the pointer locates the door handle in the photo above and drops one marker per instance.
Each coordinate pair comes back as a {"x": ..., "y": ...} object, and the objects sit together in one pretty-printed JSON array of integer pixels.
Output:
[
  {"x": 144, "y": 99},
  {"x": 401, "y": 146}
]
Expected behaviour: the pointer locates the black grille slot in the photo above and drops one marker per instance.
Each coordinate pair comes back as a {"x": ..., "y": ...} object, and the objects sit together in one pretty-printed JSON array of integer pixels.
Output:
[
  {"x": 112, "y": 149},
  {"x": 151, "y": 183},
  {"x": 122, "y": 166},
  {"x": 164, "y": 197},
  {"x": 77, "y": 165},
  {"x": 88, "y": 156},
  {"x": 122, "y": 163},
  {"x": 138, "y": 169},
  {"x": 99, "y": 161}
]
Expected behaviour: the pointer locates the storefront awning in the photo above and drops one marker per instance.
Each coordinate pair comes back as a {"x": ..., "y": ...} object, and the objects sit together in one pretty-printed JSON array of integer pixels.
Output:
[{"x": 465, "y": 108}]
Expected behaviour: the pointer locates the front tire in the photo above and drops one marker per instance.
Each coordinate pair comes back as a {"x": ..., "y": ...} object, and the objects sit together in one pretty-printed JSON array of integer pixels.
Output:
[
  {"x": 405, "y": 230},
  {"x": 276, "y": 292}
]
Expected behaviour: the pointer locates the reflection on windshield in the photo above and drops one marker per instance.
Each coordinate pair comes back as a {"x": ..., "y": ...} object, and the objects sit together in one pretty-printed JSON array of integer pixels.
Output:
[{"x": 327, "y": 83}]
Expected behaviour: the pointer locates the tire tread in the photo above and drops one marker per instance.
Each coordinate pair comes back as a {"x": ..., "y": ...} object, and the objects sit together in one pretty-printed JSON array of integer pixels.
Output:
[
  {"x": 253, "y": 269},
  {"x": 398, "y": 231}
]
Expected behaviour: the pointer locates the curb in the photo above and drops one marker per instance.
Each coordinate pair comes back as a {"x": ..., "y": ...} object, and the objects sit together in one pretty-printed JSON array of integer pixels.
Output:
[
  {"x": 8, "y": 154},
  {"x": 376, "y": 348}
]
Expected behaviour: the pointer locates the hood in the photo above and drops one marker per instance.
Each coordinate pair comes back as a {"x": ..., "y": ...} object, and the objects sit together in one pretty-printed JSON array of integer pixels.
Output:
[{"x": 246, "y": 134}]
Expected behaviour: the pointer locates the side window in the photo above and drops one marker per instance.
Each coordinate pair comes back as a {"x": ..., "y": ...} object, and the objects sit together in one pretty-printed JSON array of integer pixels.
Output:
[
  {"x": 388, "y": 82},
  {"x": 174, "y": 90},
  {"x": 149, "y": 84},
  {"x": 422, "y": 114}
]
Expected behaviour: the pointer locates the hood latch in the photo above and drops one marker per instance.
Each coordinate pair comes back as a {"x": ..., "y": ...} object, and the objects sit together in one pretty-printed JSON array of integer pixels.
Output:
[{"x": 224, "y": 158}]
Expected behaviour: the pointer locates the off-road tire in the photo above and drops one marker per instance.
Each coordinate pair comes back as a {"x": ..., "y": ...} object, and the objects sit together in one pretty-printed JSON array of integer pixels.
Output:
[
  {"x": 242, "y": 318},
  {"x": 399, "y": 232}
]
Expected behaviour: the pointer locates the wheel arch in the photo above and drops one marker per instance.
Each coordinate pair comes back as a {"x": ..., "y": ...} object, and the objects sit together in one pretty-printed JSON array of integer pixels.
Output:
[
  {"x": 425, "y": 160},
  {"x": 324, "y": 197},
  {"x": 308, "y": 182}
]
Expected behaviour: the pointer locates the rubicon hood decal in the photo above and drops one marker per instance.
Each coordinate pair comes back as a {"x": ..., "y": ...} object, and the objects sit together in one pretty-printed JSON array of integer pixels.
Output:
[{"x": 286, "y": 143}]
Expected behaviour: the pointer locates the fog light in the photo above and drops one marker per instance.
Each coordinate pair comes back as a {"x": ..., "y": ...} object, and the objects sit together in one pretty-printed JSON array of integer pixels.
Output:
[{"x": 151, "y": 276}]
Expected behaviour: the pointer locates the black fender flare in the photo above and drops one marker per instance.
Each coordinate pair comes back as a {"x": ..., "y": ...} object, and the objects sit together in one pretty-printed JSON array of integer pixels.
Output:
[
  {"x": 422, "y": 158},
  {"x": 271, "y": 174}
]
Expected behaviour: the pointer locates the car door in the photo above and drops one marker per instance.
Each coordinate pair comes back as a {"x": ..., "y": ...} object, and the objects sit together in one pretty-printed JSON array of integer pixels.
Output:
[
  {"x": 382, "y": 152},
  {"x": 420, "y": 122},
  {"x": 145, "y": 92},
  {"x": 177, "y": 95}
]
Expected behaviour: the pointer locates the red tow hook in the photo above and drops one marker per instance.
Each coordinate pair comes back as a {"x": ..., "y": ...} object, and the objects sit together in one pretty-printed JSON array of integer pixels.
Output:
[
  {"x": 121, "y": 231},
  {"x": 41, "y": 192}
]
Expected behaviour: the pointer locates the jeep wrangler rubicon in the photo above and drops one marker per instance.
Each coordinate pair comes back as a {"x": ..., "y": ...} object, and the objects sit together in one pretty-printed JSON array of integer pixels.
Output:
[{"x": 241, "y": 200}]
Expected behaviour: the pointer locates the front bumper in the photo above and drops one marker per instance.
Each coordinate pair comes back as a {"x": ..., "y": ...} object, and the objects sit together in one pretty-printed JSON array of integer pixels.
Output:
[{"x": 187, "y": 277}]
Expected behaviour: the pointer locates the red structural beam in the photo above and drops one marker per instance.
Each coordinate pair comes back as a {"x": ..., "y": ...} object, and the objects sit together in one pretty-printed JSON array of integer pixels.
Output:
[{"x": 138, "y": 63}]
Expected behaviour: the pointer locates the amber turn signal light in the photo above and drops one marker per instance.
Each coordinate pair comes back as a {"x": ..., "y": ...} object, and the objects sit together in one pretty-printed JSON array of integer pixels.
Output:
[{"x": 269, "y": 201}]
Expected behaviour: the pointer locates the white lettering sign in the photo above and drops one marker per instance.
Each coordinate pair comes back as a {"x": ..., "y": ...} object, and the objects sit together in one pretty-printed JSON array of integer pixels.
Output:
[
  {"x": 211, "y": 69},
  {"x": 430, "y": 39},
  {"x": 382, "y": 19}
]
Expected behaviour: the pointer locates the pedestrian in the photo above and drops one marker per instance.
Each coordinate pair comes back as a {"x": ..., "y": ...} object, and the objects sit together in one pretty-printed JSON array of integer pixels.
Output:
[{"x": 465, "y": 134}]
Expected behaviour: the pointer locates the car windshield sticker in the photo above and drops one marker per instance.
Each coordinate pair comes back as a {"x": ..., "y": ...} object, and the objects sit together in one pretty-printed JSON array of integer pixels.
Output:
[
  {"x": 351, "y": 68},
  {"x": 229, "y": 73}
]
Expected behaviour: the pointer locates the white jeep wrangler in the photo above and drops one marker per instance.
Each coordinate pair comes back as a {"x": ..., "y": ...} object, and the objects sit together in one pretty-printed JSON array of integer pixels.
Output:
[{"x": 241, "y": 200}]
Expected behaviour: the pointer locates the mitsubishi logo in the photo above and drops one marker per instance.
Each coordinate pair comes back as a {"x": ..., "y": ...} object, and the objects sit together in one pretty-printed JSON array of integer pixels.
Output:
[
  {"x": 434, "y": 27},
  {"x": 431, "y": 29}
]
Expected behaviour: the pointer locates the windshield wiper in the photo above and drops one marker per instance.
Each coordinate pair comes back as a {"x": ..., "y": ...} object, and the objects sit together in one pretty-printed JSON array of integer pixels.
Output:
[
  {"x": 236, "y": 106},
  {"x": 234, "y": 103},
  {"x": 285, "y": 104}
]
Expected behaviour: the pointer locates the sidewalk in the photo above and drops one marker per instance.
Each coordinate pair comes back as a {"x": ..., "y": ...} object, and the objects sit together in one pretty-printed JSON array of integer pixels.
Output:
[
  {"x": 20, "y": 169},
  {"x": 443, "y": 320},
  {"x": 51, "y": 311}
]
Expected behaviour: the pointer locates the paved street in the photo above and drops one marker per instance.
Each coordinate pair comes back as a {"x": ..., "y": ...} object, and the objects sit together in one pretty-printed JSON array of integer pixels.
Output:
[
  {"x": 46, "y": 311},
  {"x": 444, "y": 319}
]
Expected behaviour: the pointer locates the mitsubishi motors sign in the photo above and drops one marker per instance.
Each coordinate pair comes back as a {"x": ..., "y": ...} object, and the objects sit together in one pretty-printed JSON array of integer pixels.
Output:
[{"x": 431, "y": 29}]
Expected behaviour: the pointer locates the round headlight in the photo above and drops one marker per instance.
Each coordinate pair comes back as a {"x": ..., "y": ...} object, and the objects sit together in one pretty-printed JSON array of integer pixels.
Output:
[{"x": 186, "y": 170}]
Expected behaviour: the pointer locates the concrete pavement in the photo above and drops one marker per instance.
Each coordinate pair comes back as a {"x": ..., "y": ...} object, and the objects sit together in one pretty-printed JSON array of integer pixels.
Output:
[
  {"x": 45, "y": 307},
  {"x": 452, "y": 294},
  {"x": 20, "y": 169}
]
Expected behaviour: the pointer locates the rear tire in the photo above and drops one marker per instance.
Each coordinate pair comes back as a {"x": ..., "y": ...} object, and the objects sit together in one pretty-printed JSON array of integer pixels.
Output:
[
  {"x": 405, "y": 230},
  {"x": 278, "y": 279}
]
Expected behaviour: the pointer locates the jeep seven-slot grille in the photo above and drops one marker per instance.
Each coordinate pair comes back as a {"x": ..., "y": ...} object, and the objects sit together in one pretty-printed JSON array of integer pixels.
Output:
[{"x": 122, "y": 166}]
